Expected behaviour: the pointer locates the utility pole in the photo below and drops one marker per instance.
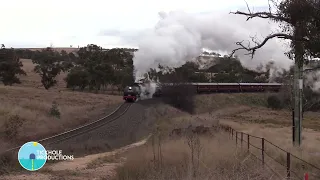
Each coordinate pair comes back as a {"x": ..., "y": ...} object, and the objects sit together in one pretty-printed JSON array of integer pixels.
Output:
[{"x": 298, "y": 83}]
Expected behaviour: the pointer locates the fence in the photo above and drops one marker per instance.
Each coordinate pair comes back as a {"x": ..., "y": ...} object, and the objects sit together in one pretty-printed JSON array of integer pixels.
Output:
[{"x": 244, "y": 139}]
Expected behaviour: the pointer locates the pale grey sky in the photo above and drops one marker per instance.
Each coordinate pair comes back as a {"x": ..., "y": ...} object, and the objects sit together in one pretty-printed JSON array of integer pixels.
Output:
[{"x": 36, "y": 23}]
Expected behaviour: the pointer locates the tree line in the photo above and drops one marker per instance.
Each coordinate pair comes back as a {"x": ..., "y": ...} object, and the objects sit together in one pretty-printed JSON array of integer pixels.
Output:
[
  {"x": 91, "y": 67},
  {"x": 224, "y": 70}
]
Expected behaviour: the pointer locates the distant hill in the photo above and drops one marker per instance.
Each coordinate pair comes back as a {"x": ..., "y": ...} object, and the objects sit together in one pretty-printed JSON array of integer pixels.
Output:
[
  {"x": 59, "y": 49},
  {"x": 71, "y": 49}
]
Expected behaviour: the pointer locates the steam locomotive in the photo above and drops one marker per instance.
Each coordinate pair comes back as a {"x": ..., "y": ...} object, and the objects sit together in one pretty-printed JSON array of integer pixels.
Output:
[{"x": 132, "y": 93}]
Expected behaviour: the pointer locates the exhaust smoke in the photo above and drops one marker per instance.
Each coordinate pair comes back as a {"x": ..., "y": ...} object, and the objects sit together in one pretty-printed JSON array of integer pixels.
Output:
[{"x": 179, "y": 37}]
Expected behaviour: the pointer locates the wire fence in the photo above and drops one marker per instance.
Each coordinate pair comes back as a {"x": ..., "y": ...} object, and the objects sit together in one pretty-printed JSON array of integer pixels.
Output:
[{"x": 284, "y": 164}]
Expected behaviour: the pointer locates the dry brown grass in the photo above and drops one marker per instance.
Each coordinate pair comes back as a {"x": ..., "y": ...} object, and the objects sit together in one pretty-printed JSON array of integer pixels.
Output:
[
  {"x": 273, "y": 125},
  {"x": 217, "y": 158},
  {"x": 243, "y": 112},
  {"x": 212, "y": 102},
  {"x": 25, "y": 108},
  {"x": 33, "y": 80}
]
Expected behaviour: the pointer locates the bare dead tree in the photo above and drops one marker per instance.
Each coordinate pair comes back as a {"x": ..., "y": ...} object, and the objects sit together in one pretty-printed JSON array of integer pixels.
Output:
[
  {"x": 300, "y": 23},
  {"x": 276, "y": 17}
]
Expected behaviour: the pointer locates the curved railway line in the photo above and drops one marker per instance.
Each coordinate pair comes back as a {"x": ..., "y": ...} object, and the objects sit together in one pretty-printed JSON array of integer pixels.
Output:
[{"x": 113, "y": 116}]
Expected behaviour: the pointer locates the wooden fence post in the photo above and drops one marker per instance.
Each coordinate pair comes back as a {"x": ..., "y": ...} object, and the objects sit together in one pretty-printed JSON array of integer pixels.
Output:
[
  {"x": 241, "y": 138},
  {"x": 248, "y": 142},
  {"x": 262, "y": 150},
  {"x": 232, "y": 133},
  {"x": 288, "y": 165},
  {"x": 237, "y": 138}
]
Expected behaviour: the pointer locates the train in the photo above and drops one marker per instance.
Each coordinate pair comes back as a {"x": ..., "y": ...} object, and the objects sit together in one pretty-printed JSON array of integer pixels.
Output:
[
  {"x": 131, "y": 93},
  {"x": 214, "y": 88},
  {"x": 237, "y": 87}
]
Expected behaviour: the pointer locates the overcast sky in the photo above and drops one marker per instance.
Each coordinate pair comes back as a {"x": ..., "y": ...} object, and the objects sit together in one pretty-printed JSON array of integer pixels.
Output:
[{"x": 36, "y": 23}]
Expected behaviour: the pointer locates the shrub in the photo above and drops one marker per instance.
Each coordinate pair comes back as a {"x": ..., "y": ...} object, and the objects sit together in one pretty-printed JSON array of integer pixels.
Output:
[
  {"x": 54, "y": 111},
  {"x": 274, "y": 102},
  {"x": 12, "y": 126}
]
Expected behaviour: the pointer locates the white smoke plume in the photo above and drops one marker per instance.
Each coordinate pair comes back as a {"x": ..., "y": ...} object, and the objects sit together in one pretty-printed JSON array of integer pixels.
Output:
[
  {"x": 179, "y": 37},
  {"x": 312, "y": 79},
  {"x": 147, "y": 90}
]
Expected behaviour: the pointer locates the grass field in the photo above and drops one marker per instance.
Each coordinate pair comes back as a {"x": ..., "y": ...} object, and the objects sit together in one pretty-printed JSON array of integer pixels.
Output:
[
  {"x": 25, "y": 109},
  {"x": 219, "y": 158},
  {"x": 25, "y": 114}
]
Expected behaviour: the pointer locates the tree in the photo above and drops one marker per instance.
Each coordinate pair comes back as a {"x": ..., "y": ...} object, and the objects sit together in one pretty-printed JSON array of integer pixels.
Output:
[
  {"x": 122, "y": 65},
  {"x": 10, "y": 67},
  {"x": 25, "y": 53},
  {"x": 187, "y": 73},
  {"x": 230, "y": 70},
  {"x": 78, "y": 77},
  {"x": 90, "y": 58},
  {"x": 300, "y": 23},
  {"x": 100, "y": 67},
  {"x": 48, "y": 66}
]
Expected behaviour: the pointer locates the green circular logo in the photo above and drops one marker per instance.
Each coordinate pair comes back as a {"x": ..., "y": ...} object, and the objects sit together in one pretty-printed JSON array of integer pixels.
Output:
[{"x": 32, "y": 156}]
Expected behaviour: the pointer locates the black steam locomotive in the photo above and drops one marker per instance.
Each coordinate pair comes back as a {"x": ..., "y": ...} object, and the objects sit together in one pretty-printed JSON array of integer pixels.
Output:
[{"x": 132, "y": 93}]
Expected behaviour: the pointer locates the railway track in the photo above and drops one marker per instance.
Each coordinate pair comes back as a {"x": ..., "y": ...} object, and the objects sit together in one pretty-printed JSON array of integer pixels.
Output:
[{"x": 120, "y": 111}]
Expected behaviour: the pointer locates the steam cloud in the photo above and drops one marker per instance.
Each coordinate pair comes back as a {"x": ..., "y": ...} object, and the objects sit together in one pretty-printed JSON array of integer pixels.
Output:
[
  {"x": 149, "y": 87},
  {"x": 179, "y": 37}
]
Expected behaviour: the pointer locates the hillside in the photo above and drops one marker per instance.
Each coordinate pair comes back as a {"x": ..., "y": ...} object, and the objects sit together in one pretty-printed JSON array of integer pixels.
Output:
[
  {"x": 171, "y": 155},
  {"x": 23, "y": 105}
]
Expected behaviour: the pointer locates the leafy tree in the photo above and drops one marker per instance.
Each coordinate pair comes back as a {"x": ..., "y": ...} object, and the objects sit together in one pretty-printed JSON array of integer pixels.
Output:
[
  {"x": 225, "y": 70},
  {"x": 67, "y": 60},
  {"x": 10, "y": 67},
  {"x": 187, "y": 72},
  {"x": 78, "y": 77},
  {"x": 91, "y": 58},
  {"x": 96, "y": 67},
  {"x": 48, "y": 66},
  {"x": 25, "y": 53},
  {"x": 122, "y": 65},
  {"x": 230, "y": 70},
  {"x": 226, "y": 64}
]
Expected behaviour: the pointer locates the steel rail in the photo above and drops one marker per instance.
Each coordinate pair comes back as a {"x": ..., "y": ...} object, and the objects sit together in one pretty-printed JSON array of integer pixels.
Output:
[{"x": 84, "y": 128}]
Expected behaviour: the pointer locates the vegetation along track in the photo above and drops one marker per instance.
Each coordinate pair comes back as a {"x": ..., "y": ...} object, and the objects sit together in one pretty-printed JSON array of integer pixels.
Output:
[{"x": 120, "y": 111}]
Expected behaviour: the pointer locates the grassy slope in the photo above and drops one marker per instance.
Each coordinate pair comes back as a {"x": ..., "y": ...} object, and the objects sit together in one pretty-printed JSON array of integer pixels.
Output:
[
  {"x": 25, "y": 108},
  {"x": 244, "y": 112}
]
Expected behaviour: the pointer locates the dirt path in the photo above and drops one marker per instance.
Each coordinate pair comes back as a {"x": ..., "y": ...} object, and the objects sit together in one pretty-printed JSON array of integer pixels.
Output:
[{"x": 79, "y": 168}]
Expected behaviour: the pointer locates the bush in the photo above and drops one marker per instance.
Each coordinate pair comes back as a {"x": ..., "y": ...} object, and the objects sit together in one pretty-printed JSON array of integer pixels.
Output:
[
  {"x": 12, "y": 126},
  {"x": 274, "y": 102},
  {"x": 8, "y": 162},
  {"x": 54, "y": 111}
]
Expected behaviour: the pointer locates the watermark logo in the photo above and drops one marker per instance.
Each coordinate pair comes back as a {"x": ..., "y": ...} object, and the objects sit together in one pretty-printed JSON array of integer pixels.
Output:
[
  {"x": 28, "y": 157},
  {"x": 55, "y": 155},
  {"x": 33, "y": 156}
]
